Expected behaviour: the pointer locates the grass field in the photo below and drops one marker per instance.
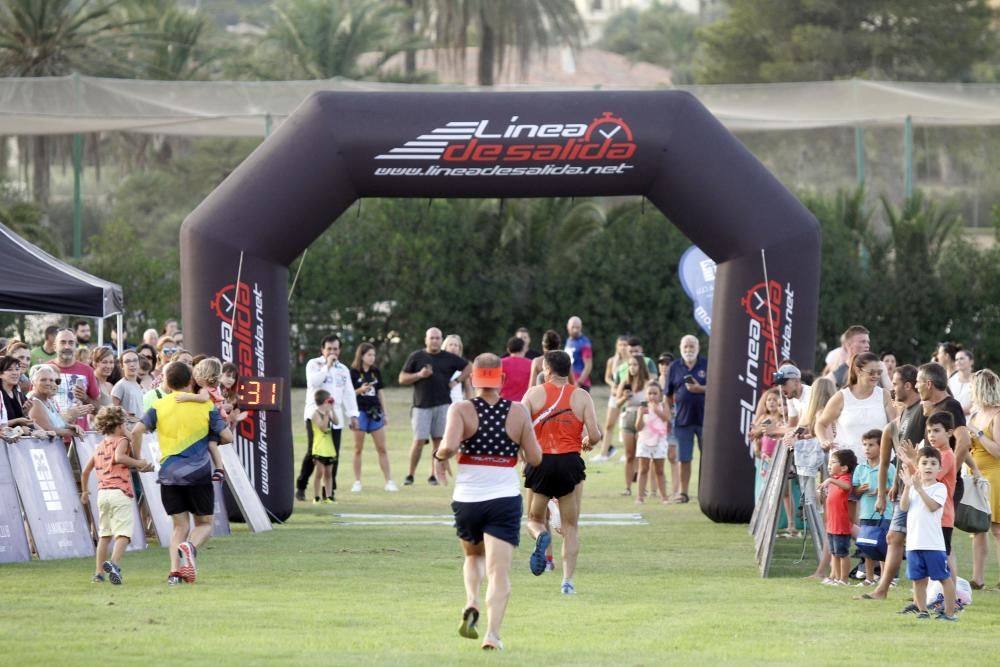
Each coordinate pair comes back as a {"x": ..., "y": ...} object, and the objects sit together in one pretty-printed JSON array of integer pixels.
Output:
[{"x": 680, "y": 590}]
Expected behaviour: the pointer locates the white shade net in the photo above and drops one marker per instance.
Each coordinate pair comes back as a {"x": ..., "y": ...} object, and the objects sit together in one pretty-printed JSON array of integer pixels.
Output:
[{"x": 68, "y": 105}]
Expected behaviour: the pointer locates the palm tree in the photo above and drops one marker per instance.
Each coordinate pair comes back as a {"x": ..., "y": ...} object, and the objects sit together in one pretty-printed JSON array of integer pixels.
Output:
[
  {"x": 57, "y": 38},
  {"x": 524, "y": 26},
  {"x": 321, "y": 39}
]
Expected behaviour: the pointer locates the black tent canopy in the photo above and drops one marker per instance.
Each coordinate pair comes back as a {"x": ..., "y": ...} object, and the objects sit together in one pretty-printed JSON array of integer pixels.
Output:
[{"x": 33, "y": 281}]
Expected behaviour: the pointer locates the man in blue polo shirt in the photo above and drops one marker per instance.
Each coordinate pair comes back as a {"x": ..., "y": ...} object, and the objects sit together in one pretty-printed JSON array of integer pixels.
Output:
[
  {"x": 685, "y": 387},
  {"x": 580, "y": 352}
]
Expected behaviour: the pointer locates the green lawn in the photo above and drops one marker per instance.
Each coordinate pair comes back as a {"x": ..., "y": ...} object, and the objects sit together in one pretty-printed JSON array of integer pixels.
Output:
[{"x": 679, "y": 590}]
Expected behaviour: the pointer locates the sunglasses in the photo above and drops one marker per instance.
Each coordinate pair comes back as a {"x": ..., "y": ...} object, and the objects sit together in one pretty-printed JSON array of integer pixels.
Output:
[{"x": 169, "y": 350}]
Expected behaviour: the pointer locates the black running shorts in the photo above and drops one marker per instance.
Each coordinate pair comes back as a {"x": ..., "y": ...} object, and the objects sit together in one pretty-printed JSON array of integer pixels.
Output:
[
  {"x": 198, "y": 499},
  {"x": 556, "y": 476}
]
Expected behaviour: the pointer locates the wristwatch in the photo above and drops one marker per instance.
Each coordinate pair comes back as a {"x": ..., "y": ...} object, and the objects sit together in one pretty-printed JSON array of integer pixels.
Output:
[{"x": 979, "y": 434}]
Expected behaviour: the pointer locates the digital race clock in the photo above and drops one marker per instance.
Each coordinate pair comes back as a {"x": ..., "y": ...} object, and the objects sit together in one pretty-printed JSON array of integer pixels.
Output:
[{"x": 260, "y": 393}]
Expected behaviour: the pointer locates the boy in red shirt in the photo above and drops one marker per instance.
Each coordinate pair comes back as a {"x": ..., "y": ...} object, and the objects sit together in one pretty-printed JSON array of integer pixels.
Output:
[{"x": 838, "y": 521}]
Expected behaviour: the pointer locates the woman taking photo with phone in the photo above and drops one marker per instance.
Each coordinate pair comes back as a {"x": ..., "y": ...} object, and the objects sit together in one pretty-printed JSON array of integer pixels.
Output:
[{"x": 367, "y": 381}]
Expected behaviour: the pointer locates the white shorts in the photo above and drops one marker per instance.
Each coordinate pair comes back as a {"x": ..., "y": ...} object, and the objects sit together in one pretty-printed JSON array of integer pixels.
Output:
[{"x": 656, "y": 450}]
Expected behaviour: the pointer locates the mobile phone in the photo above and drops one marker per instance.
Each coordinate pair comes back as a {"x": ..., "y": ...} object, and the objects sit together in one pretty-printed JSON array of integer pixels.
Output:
[
  {"x": 689, "y": 379},
  {"x": 644, "y": 404},
  {"x": 800, "y": 431}
]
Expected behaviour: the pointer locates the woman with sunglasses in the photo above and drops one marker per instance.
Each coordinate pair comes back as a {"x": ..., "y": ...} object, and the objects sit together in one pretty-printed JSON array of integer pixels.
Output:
[
  {"x": 43, "y": 409},
  {"x": 857, "y": 408},
  {"x": 166, "y": 348}
]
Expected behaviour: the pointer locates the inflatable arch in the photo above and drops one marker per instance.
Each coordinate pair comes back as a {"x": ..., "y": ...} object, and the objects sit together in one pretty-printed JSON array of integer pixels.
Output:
[{"x": 338, "y": 147}]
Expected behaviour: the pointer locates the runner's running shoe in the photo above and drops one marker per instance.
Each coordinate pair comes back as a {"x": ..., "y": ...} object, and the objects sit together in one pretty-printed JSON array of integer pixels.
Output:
[
  {"x": 537, "y": 559},
  {"x": 469, "y": 619},
  {"x": 188, "y": 569}
]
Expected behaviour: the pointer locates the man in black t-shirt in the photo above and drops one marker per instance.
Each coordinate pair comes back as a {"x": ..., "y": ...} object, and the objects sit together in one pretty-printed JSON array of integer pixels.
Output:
[{"x": 432, "y": 372}]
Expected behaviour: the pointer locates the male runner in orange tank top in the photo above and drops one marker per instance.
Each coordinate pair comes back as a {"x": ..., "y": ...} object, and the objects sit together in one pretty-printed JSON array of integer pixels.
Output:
[{"x": 565, "y": 423}]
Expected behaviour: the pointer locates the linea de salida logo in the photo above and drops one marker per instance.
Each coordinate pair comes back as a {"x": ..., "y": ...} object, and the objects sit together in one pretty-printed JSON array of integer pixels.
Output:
[{"x": 531, "y": 148}]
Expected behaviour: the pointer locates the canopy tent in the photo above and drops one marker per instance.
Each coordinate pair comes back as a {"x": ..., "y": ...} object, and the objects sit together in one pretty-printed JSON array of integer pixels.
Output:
[
  {"x": 79, "y": 104},
  {"x": 33, "y": 281}
]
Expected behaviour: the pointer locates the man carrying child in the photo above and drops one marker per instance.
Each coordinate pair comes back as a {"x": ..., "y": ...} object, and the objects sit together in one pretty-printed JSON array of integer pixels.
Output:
[{"x": 185, "y": 475}]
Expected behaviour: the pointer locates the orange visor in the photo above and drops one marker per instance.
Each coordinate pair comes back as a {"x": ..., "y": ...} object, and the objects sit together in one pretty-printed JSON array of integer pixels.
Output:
[{"x": 487, "y": 378}]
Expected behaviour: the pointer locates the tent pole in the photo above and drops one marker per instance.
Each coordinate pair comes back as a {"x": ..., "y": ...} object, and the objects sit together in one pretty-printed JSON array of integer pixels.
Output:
[
  {"x": 859, "y": 155},
  {"x": 908, "y": 157},
  {"x": 118, "y": 327},
  {"x": 77, "y": 174},
  {"x": 100, "y": 331}
]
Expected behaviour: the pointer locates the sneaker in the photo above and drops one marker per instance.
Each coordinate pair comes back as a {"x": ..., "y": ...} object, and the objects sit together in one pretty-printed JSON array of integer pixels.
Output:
[
  {"x": 923, "y": 615},
  {"x": 316, "y": 501},
  {"x": 537, "y": 559},
  {"x": 408, "y": 480},
  {"x": 611, "y": 452},
  {"x": 827, "y": 581},
  {"x": 945, "y": 617},
  {"x": 909, "y": 609},
  {"x": 432, "y": 480},
  {"x": 356, "y": 487},
  {"x": 598, "y": 458},
  {"x": 550, "y": 565},
  {"x": 114, "y": 572},
  {"x": 468, "y": 627},
  {"x": 174, "y": 579},
  {"x": 98, "y": 579},
  {"x": 567, "y": 588},
  {"x": 188, "y": 568},
  {"x": 300, "y": 494},
  {"x": 328, "y": 501},
  {"x": 391, "y": 487}
]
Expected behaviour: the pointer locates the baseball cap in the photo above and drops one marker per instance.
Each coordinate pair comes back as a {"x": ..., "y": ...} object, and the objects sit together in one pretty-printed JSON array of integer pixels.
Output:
[
  {"x": 666, "y": 357},
  {"x": 789, "y": 372}
]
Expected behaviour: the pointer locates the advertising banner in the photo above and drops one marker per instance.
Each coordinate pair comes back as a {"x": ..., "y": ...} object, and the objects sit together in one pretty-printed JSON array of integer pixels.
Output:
[
  {"x": 50, "y": 498},
  {"x": 13, "y": 540}
]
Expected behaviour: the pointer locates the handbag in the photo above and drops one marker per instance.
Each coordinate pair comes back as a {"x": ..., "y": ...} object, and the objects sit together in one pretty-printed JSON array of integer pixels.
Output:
[
  {"x": 972, "y": 512},
  {"x": 871, "y": 539}
]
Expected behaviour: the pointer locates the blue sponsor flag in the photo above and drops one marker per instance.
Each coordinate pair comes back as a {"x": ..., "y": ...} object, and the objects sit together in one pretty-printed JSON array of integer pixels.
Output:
[{"x": 697, "y": 273}]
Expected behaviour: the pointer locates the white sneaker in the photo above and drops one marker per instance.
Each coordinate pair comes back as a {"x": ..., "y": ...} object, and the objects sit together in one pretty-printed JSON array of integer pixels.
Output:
[
  {"x": 356, "y": 487},
  {"x": 598, "y": 458},
  {"x": 391, "y": 486}
]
